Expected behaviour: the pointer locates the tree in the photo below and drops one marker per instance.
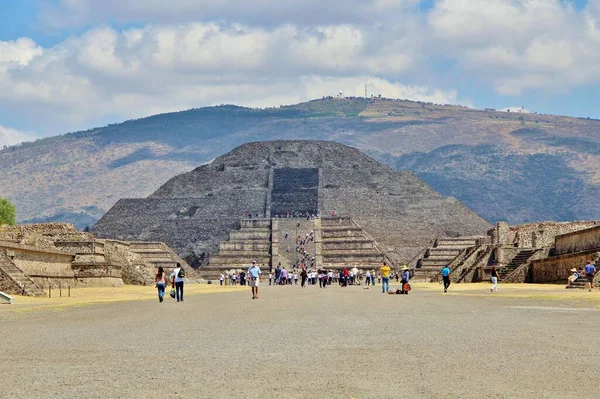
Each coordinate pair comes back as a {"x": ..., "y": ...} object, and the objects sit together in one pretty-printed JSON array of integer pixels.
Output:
[{"x": 7, "y": 212}]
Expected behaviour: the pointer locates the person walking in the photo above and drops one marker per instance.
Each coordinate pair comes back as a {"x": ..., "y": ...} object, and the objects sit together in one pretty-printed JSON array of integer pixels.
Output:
[
  {"x": 385, "y": 277},
  {"x": 177, "y": 281},
  {"x": 277, "y": 273},
  {"x": 221, "y": 278},
  {"x": 405, "y": 280},
  {"x": 494, "y": 279},
  {"x": 270, "y": 278},
  {"x": 590, "y": 272},
  {"x": 446, "y": 277},
  {"x": 303, "y": 276},
  {"x": 161, "y": 283},
  {"x": 254, "y": 275}
]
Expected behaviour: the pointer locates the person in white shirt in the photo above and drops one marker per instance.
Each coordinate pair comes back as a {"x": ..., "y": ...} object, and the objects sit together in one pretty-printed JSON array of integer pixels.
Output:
[
  {"x": 221, "y": 278},
  {"x": 270, "y": 278},
  {"x": 177, "y": 282},
  {"x": 254, "y": 275},
  {"x": 296, "y": 278}
]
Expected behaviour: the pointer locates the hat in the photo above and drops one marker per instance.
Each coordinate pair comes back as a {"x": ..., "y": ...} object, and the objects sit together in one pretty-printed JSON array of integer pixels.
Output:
[
  {"x": 404, "y": 267},
  {"x": 573, "y": 270},
  {"x": 253, "y": 261}
]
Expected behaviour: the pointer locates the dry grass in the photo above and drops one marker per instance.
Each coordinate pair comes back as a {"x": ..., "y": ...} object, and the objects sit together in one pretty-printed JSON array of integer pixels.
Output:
[{"x": 98, "y": 295}]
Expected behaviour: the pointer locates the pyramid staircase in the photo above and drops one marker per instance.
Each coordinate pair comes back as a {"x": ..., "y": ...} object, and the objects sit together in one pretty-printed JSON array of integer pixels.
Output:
[
  {"x": 444, "y": 252},
  {"x": 25, "y": 284},
  {"x": 156, "y": 254},
  {"x": 251, "y": 242},
  {"x": 522, "y": 257},
  {"x": 345, "y": 244}
]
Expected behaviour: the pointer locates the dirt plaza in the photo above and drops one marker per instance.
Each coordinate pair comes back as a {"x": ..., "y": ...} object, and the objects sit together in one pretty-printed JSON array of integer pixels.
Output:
[{"x": 526, "y": 341}]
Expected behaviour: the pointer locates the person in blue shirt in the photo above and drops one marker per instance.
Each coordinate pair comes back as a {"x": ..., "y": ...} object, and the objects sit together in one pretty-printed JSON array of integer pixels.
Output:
[
  {"x": 254, "y": 274},
  {"x": 446, "y": 277},
  {"x": 590, "y": 272},
  {"x": 405, "y": 280}
]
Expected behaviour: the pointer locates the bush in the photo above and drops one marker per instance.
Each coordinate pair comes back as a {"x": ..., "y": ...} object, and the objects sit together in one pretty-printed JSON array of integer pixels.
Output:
[{"x": 7, "y": 212}]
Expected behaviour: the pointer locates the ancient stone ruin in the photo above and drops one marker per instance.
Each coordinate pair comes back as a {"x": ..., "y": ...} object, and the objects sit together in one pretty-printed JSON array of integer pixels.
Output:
[
  {"x": 35, "y": 257},
  {"x": 541, "y": 252},
  {"x": 240, "y": 207}
]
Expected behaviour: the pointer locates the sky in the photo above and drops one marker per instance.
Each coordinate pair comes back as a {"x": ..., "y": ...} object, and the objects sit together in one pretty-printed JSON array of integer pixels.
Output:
[{"x": 69, "y": 65}]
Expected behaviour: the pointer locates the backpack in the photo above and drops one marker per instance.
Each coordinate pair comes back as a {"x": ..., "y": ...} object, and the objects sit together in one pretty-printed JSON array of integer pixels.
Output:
[{"x": 181, "y": 273}]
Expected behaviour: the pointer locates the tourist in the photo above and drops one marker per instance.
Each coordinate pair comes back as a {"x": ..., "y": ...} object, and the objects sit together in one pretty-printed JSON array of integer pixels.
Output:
[
  {"x": 446, "y": 277},
  {"x": 590, "y": 272},
  {"x": 254, "y": 274},
  {"x": 242, "y": 278},
  {"x": 329, "y": 277},
  {"x": 161, "y": 283},
  {"x": 295, "y": 277},
  {"x": 284, "y": 276},
  {"x": 277, "y": 274},
  {"x": 494, "y": 279},
  {"x": 573, "y": 277},
  {"x": 324, "y": 278},
  {"x": 303, "y": 276},
  {"x": 385, "y": 277},
  {"x": 270, "y": 278},
  {"x": 221, "y": 278},
  {"x": 177, "y": 282},
  {"x": 368, "y": 278},
  {"x": 405, "y": 280},
  {"x": 372, "y": 277}
]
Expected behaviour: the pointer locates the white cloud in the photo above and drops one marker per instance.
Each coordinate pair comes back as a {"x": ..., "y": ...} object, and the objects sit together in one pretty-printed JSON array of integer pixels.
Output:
[
  {"x": 140, "y": 71},
  {"x": 75, "y": 13},
  {"x": 521, "y": 45},
  {"x": 10, "y": 136},
  {"x": 265, "y": 53}
]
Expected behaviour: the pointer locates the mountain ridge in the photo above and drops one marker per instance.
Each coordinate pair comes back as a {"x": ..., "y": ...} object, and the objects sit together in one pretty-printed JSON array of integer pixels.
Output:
[{"x": 481, "y": 157}]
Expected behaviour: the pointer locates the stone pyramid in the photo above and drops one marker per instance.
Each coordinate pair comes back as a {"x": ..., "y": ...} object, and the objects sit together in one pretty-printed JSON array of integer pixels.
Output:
[{"x": 195, "y": 212}]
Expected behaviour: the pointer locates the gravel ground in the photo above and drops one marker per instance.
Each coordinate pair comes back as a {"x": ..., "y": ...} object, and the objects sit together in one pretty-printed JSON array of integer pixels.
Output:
[{"x": 311, "y": 343}]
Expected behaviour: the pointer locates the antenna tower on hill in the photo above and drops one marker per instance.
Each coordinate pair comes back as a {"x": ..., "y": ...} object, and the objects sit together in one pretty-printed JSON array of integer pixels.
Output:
[{"x": 366, "y": 91}]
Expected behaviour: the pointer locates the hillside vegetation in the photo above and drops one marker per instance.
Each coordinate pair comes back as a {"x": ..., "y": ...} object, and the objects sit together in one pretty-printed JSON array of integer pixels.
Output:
[{"x": 504, "y": 165}]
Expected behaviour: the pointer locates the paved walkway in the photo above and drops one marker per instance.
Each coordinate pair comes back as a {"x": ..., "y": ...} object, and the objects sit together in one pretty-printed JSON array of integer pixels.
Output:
[{"x": 311, "y": 343}]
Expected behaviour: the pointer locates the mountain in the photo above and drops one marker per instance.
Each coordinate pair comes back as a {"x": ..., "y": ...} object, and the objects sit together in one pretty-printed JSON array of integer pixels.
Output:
[{"x": 507, "y": 166}]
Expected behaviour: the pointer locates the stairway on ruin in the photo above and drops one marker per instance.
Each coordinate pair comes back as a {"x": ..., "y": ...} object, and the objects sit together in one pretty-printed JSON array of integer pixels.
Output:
[
  {"x": 345, "y": 244},
  {"x": 444, "y": 252},
  {"x": 294, "y": 227},
  {"x": 251, "y": 242},
  {"x": 26, "y": 284},
  {"x": 518, "y": 260},
  {"x": 156, "y": 254}
]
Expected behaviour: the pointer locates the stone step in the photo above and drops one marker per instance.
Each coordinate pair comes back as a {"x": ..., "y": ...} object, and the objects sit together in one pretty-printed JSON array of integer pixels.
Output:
[
  {"x": 349, "y": 252},
  {"x": 242, "y": 252},
  {"x": 444, "y": 251},
  {"x": 433, "y": 262},
  {"x": 243, "y": 246},
  {"x": 223, "y": 260},
  {"x": 349, "y": 246},
  {"x": 357, "y": 239},
  {"x": 440, "y": 257}
]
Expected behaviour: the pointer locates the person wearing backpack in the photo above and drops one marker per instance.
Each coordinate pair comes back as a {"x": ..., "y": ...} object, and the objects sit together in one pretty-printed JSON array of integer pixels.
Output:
[{"x": 177, "y": 281}]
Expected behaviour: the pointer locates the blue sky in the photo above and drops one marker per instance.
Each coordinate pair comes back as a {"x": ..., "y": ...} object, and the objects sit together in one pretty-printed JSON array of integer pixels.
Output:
[{"x": 67, "y": 65}]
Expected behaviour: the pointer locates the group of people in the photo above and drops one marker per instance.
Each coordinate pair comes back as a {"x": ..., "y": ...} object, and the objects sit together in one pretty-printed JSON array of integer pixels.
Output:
[
  {"x": 588, "y": 272},
  {"x": 176, "y": 279}
]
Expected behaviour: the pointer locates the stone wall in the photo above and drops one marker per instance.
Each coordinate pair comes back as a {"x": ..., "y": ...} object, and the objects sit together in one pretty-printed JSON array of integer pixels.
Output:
[
  {"x": 535, "y": 235},
  {"x": 8, "y": 285},
  {"x": 556, "y": 269},
  {"x": 583, "y": 240}
]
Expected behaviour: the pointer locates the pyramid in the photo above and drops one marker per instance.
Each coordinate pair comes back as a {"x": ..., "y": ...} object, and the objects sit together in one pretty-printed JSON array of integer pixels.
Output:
[{"x": 195, "y": 212}]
